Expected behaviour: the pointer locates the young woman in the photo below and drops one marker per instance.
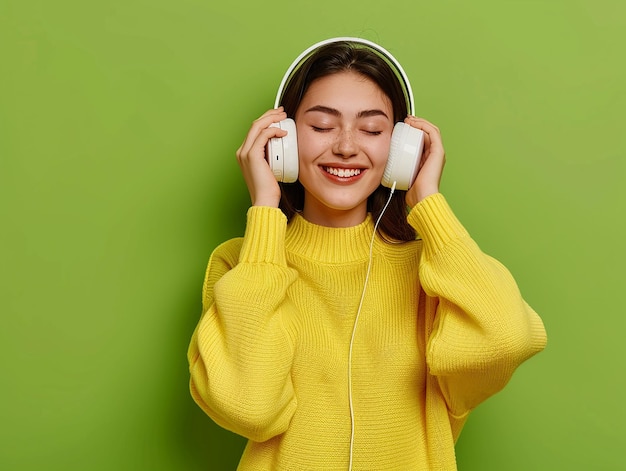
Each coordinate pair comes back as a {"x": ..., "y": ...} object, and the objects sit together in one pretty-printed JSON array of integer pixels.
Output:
[{"x": 341, "y": 333}]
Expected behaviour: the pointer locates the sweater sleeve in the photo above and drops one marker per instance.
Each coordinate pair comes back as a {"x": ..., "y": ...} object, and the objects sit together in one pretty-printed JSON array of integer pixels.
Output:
[
  {"x": 240, "y": 354},
  {"x": 482, "y": 329}
]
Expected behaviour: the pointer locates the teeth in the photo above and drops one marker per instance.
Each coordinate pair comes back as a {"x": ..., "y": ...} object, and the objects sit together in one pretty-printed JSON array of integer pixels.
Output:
[{"x": 343, "y": 172}]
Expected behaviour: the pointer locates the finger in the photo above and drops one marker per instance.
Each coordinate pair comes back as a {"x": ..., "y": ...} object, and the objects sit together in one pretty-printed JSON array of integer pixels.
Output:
[
  {"x": 255, "y": 150},
  {"x": 426, "y": 151},
  {"x": 432, "y": 135},
  {"x": 265, "y": 120},
  {"x": 421, "y": 123},
  {"x": 258, "y": 125},
  {"x": 269, "y": 117}
]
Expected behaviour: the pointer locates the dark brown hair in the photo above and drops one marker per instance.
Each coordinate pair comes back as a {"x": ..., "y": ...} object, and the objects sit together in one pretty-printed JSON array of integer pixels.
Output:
[{"x": 355, "y": 57}]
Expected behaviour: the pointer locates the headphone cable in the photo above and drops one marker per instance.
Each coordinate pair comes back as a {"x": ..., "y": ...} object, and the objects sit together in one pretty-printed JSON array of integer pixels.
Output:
[{"x": 356, "y": 320}]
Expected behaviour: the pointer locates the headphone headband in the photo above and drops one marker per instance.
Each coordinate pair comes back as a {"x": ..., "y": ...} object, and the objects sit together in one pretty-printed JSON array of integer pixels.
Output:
[{"x": 375, "y": 47}]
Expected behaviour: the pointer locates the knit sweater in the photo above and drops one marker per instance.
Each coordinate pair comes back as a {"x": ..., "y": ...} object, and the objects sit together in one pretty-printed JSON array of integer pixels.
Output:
[{"x": 442, "y": 327}]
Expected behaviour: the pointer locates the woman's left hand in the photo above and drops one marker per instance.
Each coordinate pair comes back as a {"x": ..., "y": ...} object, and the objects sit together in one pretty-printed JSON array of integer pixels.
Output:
[{"x": 431, "y": 164}]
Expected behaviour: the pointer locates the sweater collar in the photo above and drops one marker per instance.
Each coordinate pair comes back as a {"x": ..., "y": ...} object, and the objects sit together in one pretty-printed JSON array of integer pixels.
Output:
[{"x": 329, "y": 244}]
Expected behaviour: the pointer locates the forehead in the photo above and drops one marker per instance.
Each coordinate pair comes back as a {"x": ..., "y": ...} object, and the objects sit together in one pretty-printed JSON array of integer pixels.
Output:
[{"x": 348, "y": 91}]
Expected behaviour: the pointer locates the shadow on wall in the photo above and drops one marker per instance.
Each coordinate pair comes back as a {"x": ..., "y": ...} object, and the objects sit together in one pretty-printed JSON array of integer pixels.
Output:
[{"x": 200, "y": 441}]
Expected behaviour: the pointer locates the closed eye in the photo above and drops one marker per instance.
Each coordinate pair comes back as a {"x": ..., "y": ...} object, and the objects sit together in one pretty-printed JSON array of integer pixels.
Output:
[{"x": 318, "y": 129}]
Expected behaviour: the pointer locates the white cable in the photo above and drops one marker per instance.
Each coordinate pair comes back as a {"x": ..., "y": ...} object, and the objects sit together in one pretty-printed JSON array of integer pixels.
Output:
[{"x": 356, "y": 320}]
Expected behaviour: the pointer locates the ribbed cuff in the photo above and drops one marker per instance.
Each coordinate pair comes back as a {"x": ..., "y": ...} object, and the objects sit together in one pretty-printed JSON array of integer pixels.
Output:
[
  {"x": 264, "y": 239},
  {"x": 435, "y": 222}
]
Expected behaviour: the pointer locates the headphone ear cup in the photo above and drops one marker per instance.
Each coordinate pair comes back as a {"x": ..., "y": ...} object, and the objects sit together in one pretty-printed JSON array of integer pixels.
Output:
[
  {"x": 282, "y": 152},
  {"x": 405, "y": 153}
]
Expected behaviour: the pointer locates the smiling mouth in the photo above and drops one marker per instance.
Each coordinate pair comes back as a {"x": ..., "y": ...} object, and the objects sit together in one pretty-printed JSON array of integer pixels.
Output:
[{"x": 343, "y": 172}]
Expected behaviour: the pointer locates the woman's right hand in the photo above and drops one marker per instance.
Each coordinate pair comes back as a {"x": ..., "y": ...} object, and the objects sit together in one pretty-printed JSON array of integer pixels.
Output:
[{"x": 262, "y": 185}]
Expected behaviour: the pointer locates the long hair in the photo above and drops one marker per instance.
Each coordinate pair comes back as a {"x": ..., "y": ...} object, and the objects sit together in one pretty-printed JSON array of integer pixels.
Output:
[{"x": 330, "y": 59}]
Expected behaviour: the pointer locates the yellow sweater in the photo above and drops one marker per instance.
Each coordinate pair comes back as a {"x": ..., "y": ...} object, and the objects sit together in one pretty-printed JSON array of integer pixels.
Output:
[{"x": 443, "y": 327}]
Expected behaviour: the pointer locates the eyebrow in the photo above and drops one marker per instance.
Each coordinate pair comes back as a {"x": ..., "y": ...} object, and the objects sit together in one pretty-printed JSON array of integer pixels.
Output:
[{"x": 337, "y": 113}]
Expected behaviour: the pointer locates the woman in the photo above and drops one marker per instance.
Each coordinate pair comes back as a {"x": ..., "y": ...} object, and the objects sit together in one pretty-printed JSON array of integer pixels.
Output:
[{"x": 339, "y": 333}]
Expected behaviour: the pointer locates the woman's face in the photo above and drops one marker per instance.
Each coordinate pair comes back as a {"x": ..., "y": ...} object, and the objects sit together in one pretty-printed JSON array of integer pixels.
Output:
[{"x": 344, "y": 125}]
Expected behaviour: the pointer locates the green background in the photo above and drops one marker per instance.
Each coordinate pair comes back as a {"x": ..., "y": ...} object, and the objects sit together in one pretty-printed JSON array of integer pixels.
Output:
[{"x": 119, "y": 121}]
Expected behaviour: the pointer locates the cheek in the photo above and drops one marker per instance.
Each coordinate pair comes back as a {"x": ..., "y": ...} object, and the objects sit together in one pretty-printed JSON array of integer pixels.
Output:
[
  {"x": 380, "y": 152},
  {"x": 310, "y": 144}
]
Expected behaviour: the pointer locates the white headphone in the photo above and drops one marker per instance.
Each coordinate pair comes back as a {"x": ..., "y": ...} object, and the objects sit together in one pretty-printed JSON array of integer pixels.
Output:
[{"x": 407, "y": 143}]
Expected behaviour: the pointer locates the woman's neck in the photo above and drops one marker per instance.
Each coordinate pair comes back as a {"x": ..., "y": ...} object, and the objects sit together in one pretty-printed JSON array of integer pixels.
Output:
[{"x": 330, "y": 217}]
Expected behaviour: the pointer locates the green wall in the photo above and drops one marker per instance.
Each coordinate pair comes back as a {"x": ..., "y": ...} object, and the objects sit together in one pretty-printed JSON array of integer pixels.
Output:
[{"x": 118, "y": 126}]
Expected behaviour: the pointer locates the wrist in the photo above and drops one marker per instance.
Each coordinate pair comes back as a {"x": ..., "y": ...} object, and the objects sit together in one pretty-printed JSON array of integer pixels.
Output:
[
  {"x": 420, "y": 194},
  {"x": 268, "y": 202},
  {"x": 266, "y": 199}
]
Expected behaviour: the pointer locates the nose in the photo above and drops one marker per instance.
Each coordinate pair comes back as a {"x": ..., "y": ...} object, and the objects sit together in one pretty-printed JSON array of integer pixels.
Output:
[{"x": 345, "y": 145}]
